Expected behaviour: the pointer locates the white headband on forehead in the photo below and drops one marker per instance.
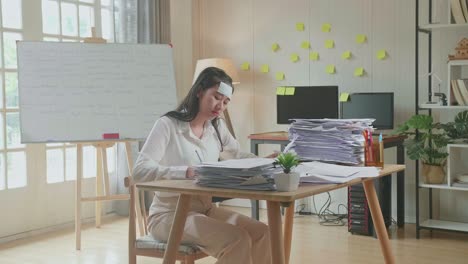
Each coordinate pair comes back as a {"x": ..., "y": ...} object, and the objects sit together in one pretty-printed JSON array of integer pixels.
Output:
[{"x": 225, "y": 89}]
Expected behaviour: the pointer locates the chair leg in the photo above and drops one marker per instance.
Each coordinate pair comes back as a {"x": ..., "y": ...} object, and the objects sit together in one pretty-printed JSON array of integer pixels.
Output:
[{"x": 132, "y": 259}]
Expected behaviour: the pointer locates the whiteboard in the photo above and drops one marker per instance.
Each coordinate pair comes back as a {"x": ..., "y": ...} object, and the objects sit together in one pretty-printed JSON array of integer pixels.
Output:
[{"x": 79, "y": 91}]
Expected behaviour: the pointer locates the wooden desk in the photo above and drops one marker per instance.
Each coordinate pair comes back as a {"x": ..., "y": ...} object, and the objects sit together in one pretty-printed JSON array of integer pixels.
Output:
[
  {"x": 280, "y": 250},
  {"x": 281, "y": 138}
]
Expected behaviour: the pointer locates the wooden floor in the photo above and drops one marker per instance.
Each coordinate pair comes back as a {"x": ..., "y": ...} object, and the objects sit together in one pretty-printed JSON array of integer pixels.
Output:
[{"x": 312, "y": 243}]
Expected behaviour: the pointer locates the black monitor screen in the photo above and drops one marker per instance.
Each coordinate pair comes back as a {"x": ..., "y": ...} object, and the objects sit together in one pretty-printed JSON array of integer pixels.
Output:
[
  {"x": 370, "y": 105},
  {"x": 307, "y": 102}
]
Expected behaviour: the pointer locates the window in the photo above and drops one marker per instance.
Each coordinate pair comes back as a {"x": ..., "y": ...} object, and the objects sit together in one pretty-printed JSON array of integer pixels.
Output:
[
  {"x": 12, "y": 152},
  {"x": 72, "y": 20}
]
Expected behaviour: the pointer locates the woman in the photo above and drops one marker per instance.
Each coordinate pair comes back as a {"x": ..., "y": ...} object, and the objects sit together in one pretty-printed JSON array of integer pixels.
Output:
[{"x": 191, "y": 134}]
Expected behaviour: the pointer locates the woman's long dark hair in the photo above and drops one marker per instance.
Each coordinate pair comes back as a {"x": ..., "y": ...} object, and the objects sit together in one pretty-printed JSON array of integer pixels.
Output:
[{"x": 190, "y": 106}]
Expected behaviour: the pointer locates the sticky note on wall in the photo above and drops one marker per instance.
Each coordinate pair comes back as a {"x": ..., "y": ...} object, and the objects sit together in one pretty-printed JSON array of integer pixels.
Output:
[
  {"x": 381, "y": 54},
  {"x": 361, "y": 38},
  {"x": 346, "y": 55},
  {"x": 314, "y": 56},
  {"x": 300, "y": 26},
  {"x": 275, "y": 47},
  {"x": 280, "y": 90},
  {"x": 344, "y": 97},
  {"x": 326, "y": 27},
  {"x": 290, "y": 90},
  {"x": 280, "y": 76},
  {"x": 305, "y": 44},
  {"x": 245, "y": 66},
  {"x": 294, "y": 57},
  {"x": 329, "y": 43},
  {"x": 330, "y": 69},
  {"x": 264, "y": 68},
  {"x": 359, "y": 71}
]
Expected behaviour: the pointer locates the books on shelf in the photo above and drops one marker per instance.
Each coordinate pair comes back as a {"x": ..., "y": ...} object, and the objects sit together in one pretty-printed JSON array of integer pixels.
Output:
[
  {"x": 458, "y": 14},
  {"x": 463, "y": 87},
  {"x": 457, "y": 86}
]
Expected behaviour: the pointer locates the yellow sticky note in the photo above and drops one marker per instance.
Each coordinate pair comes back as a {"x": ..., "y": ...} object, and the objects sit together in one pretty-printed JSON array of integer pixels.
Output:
[
  {"x": 280, "y": 90},
  {"x": 275, "y": 47},
  {"x": 294, "y": 57},
  {"x": 280, "y": 76},
  {"x": 381, "y": 54},
  {"x": 346, "y": 55},
  {"x": 326, "y": 27},
  {"x": 290, "y": 91},
  {"x": 359, "y": 71},
  {"x": 361, "y": 38},
  {"x": 330, "y": 69},
  {"x": 265, "y": 68},
  {"x": 329, "y": 43},
  {"x": 314, "y": 56},
  {"x": 344, "y": 97},
  {"x": 305, "y": 44},
  {"x": 245, "y": 66},
  {"x": 300, "y": 26}
]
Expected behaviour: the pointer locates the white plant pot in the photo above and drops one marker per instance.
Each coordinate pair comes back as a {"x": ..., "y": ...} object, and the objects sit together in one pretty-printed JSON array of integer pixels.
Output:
[{"x": 286, "y": 182}]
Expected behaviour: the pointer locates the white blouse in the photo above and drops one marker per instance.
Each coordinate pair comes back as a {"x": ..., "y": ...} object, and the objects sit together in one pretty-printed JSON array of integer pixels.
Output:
[{"x": 171, "y": 148}]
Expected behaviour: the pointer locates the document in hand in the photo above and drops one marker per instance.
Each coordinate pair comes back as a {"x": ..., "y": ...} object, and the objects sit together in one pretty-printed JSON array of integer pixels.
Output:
[{"x": 318, "y": 172}]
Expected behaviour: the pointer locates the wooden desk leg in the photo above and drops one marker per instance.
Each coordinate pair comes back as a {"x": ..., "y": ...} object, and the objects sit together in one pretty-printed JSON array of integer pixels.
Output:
[
  {"x": 288, "y": 226},
  {"x": 276, "y": 238},
  {"x": 379, "y": 224},
  {"x": 177, "y": 229}
]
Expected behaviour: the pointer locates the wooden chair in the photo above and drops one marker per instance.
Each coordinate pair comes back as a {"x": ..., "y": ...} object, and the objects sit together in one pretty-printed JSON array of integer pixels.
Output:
[{"x": 146, "y": 245}]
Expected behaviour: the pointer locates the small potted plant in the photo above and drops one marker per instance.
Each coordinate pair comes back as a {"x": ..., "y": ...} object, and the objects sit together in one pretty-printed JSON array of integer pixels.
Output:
[
  {"x": 288, "y": 180},
  {"x": 429, "y": 146}
]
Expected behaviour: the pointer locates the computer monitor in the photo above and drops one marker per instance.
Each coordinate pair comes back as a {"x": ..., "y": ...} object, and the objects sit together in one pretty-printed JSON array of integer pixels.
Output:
[
  {"x": 370, "y": 105},
  {"x": 307, "y": 102}
]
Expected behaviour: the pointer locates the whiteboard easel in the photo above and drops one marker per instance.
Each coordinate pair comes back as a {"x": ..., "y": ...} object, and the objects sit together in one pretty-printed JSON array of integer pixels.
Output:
[{"x": 102, "y": 175}]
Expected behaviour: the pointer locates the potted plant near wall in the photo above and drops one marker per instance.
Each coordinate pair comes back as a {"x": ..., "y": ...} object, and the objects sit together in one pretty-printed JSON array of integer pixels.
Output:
[
  {"x": 288, "y": 180},
  {"x": 457, "y": 130},
  {"x": 429, "y": 146}
]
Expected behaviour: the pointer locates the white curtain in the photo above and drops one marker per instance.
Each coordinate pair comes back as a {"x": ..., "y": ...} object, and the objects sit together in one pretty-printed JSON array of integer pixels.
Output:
[{"x": 137, "y": 21}]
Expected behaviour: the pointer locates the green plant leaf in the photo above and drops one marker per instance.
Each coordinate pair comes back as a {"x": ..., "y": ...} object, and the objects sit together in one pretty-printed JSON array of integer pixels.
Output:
[
  {"x": 420, "y": 122},
  {"x": 287, "y": 161}
]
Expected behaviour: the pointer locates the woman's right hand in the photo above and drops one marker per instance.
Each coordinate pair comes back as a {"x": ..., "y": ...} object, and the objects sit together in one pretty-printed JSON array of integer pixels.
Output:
[{"x": 190, "y": 173}]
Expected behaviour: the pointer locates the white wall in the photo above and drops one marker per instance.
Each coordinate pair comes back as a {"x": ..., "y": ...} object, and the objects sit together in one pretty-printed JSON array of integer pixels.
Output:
[{"x": 245, "y": 29}]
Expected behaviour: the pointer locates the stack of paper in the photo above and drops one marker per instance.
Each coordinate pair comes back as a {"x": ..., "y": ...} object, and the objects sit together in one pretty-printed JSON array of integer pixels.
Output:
[
  {"x": 246, "y": 174},
  {"x": 331, "y": 140},
  {"x": 318, "y": 172}
]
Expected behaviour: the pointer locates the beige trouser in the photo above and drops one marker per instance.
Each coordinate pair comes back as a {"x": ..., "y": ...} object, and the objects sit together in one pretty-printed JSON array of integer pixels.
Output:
[{"x": 226, "y": 235}]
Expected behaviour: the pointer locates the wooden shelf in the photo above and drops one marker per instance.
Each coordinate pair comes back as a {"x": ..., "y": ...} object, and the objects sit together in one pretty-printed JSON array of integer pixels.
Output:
[
  {"x": 443, "y": 26},
  {"x": 445, "y": 225}
]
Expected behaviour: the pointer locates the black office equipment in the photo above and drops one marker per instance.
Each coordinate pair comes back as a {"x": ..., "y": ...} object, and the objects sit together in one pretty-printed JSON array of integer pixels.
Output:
[
  {"x": 370, "y": 105},
  {"x": 308, "y": 102},
  {"x": 359, "y": 216}
]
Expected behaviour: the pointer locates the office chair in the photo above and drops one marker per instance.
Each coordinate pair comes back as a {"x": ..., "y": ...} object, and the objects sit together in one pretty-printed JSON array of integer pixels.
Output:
[{"x": 146, "y": 245}]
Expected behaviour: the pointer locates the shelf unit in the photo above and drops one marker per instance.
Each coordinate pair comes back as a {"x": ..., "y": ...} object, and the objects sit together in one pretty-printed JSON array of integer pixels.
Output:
[{"x": 455, "y": 163}]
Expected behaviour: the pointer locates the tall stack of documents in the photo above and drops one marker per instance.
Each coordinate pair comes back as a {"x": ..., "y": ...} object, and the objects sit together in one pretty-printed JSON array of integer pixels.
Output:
[
  {"x": 245, "y": 174},
  {"x": 330, "y": 140}
]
